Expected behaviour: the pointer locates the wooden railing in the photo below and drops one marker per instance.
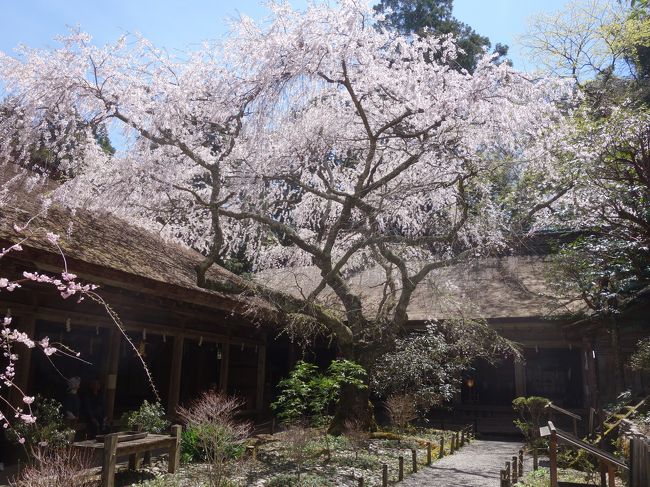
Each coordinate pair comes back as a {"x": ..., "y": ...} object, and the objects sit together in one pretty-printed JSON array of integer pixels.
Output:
[
  {"x": 574, "y": 417},
  {"x": 608, "y": 462}
]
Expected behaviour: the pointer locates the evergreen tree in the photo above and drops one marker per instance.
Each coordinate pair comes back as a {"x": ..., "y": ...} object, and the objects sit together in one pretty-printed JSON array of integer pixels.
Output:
[{"x": 414, "y": 16}]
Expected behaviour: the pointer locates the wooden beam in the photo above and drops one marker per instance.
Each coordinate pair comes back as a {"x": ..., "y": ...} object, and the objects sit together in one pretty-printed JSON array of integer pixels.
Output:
[
  {"x": 112, "y": 367},
  {"x": 261, "y": 377},
  {"x": 93, "y": 320},
  {"x": 224, "y": 367},
  {"x": 176, "y": 373}
]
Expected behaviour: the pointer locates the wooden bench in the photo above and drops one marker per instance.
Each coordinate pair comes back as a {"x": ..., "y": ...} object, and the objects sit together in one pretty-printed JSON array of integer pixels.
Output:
[{"x": 116, "y": 445}]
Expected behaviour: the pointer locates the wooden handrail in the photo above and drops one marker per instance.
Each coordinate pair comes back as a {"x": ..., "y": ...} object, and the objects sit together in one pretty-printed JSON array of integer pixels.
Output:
[
  {"x": 558, "y": 434},
  {"x": 563, "y": 411}
]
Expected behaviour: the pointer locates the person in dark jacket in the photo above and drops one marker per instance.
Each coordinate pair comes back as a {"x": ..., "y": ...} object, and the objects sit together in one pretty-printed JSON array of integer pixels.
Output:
[
  {"x": 71, "y": 402},
  {"x": 93, "y": 409}
]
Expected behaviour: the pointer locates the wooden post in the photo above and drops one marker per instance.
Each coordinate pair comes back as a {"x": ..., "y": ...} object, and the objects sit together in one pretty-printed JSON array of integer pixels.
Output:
[
  {"x": 451, "y": 445},
  {"x": 633, "y": 454},
  {"x": 261, "y": 377},
  {"x": 462, "y": 437},
  {"x": 112, "y": 367},
  {"x": 520, "y": 379},
  {"x": 603, "y": 473},
  {"x": 552, "y": 452},
  {"x": 360, "y": 484},
  {"x": 108, "y": 463},
  {"x": 135, "y": 461},
  {"x": 400, "y": 471},
  {"x": 225, "y": 366},
  {"x": 521, "y": 463},
  {"x": 515, "y": 471},
  {"x": 428, "y": 453},
  {"x": 175, "y": 450},
  {"x": 26, "y": 324},
  {"x": 441, "y": 452},
  {"x": 504, "y": 479},
  {"x": 535, "y": 459},
  {"x": 508, "y": 473},
  {"x": 611, "y": 476},
  {"x": 457, "y": 440},
  {"x": 384, "y": 475},
  {"x": 414, "y": 460},
  {"x": 176, "y": 373}
]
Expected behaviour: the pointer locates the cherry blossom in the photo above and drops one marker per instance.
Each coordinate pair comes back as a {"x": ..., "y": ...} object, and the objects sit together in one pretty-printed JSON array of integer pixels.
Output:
[{"x": 312, "y": 138}]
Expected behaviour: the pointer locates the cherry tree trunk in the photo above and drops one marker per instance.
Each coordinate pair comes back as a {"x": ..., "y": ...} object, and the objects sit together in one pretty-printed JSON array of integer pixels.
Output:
[{"x": 355, "y": 408}]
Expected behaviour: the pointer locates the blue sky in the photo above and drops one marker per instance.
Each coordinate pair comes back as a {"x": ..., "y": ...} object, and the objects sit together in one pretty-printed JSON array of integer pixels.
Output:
[{"x": 176, "y": 24}]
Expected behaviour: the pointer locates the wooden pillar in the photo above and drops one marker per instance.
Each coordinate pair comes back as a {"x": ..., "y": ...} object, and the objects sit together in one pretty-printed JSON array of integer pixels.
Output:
[
  {"x": 611, "y": 476},
  {"x": 224, "y": 367},
  {"x": 261, "y": 377},
  {"x": 589, "y": 377},
  {"x": 176, "y": 372},
  {"x": 26, "y": 324},
  {"x": 520, "y": 379},
  {"x": 112, "y": 366}
]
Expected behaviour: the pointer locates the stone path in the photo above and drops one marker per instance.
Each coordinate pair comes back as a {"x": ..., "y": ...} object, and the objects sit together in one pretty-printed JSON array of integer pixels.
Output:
[{"x": 475, "y": 465}]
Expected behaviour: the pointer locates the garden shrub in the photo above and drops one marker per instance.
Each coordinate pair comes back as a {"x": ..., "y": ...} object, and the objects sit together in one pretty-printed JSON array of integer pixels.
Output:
[
  {"x": 309, "y": 395},
  {"x": 401, "y": 410},
  {"x": 220, "y": 436},
  {"x": 60, "y": 467},
  {"x": 50, "y": 429},
  {"x": 531, "y": 411},
  {"x": 149, "y": 417},
  {"x": 191, "y": 447}
]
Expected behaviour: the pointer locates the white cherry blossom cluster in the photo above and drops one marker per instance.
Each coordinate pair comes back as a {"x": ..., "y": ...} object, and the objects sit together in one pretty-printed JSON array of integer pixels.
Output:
[
  {"x": 312, "y": 138},
  {"x": 12, "y": 338}
]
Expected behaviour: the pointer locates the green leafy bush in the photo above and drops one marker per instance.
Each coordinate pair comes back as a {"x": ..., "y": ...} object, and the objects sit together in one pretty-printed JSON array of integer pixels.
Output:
[
  {"x": 150, "y": 417},
  {"x": 531, "y": 411},
  {"x": 309, "y": 395},
  {"x": 50, "y": 429},
  {"x": 191, "y": 447}
]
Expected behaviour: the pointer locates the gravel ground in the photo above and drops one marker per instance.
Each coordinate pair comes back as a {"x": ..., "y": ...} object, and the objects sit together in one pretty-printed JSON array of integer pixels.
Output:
[{"x": 475, "y": 465}]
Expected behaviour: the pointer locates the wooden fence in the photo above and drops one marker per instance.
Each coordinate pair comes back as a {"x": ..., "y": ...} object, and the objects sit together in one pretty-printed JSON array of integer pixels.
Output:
[
  {"x": 457, "y": 440},
  {"x": 639, "y": 461}
]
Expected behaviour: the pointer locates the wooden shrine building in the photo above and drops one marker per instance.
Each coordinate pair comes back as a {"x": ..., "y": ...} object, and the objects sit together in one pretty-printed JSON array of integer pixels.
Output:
[
  {"x": 191, "y": 338},
  {"x": 564, "y": 357}
]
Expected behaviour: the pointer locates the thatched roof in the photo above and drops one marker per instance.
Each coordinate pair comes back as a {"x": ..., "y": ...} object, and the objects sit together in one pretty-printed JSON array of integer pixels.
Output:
[
  {"x": 109, "y": 243},
  {"x": 491, "y": 288}
]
